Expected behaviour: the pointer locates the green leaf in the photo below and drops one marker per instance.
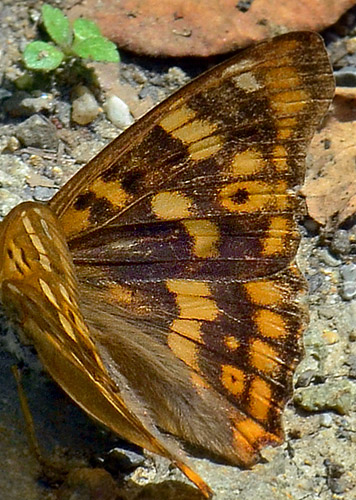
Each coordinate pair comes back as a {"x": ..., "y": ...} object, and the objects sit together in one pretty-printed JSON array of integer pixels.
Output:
[
  {"x": 84, "y": 28},
  {"x": 42, "y": 56},
  {"x": 96, "y": 48},
  {"x": 57, "y": 25}
]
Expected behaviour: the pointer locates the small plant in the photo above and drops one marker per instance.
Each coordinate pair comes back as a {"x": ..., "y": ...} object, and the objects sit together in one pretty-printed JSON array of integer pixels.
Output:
[{"x": 82, "y": 40}]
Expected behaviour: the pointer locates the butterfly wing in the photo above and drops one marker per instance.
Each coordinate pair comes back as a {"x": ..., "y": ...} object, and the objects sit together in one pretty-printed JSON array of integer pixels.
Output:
[
  {"x": 185, "y": 228},
  {"x": 183, "y": 238},
  {"x": 39, "y": 289}
]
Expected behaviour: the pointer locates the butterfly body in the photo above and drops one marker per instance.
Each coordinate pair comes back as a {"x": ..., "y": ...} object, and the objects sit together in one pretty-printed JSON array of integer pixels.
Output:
[{"x": 159, "y": 285}]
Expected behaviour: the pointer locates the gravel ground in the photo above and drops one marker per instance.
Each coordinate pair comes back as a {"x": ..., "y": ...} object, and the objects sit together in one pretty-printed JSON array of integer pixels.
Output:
[{"x": 318, "y": 457}]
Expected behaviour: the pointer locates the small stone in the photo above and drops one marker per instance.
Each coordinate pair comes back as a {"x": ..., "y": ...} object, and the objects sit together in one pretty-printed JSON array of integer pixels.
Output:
[
  {"x": 42, "y": 193},
  {"x": 315, "y": 281},
  {"x": 346, "y": 77},
  {"x": 176, "y": 78},
  {"x": 43, "y": 102},
  {"x": 340, "y": 243},
  {"x": 351, "y": 319},
  {"x": 8, "y": 201},
  {"x": 25, "y": 104},
  {"x": 351, "y": 45},
  {"x": 311, "y": 226},
  {"x": 327, "y": 258},
  {"x": 326, "y": 420},
  {"x": 118, "y": 112},
  {"x": 123, "y": 459},
  {"x": 38, "y": 133},
  {"x": 13, "y": 144},
  {"x": 87, "y": 484},
  {"x": 4, "y": 93},
  {"x": 269, "y": 454},
  {"x": 337, "y": 395},
  {"x": 138, "y": 75},
  {"x": 84, "y": 107},
  {"x": 63, "y": 112},
  {"x": 336, "y": 485},
  {"x": 335, "y": 480},
  {"x": 331, "y": 337},
  {"x": 348, "y": 275},
  {"x": 305, "y": 378}
]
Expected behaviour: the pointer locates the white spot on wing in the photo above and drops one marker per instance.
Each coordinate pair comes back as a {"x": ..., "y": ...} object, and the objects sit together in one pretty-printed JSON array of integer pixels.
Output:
[
  {"x": 65, "y": 293},
  {"x": 246, "y": 82},
  {"x": 45, "y": 263},
  {"x": 13, "y": 288},
  {"x": 48, "y": 292},
  {"x": 27, "y": 223},
  {"x": 67, "y": 326},
  {"x": 45, "y": 228}
]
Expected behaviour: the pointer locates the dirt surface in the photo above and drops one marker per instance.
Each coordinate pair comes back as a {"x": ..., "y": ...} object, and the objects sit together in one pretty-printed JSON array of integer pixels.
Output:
[
  {"x": 317, "y": 459},
  {"x": 195, "y": 28}
]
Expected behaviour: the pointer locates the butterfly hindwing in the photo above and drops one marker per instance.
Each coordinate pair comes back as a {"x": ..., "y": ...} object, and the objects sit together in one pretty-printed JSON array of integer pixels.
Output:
[{"x": 39, "y": 289}]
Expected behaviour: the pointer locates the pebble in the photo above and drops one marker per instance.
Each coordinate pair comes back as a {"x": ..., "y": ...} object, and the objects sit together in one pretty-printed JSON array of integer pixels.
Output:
[
  {"x": 336, "y": 395},
  {"x": 326, "y": 420},
  {"x": 346, "y": 77},
  {"x": 13, "y": 144},
  {"x": 84, "y": 107},
  {"x": 335, "y": 472},
  {"x": 123, "y": 459},
  {"x": 327, "y": 258},
  {"x": 351, "y": 317},
  {"x": 331, "y": 337},
  {"x": 86, "y": 484},
  {"x": 4, "y": 93},
  {"x": 23, "y": 104},
  {"x": 43, "y": 193},
  {"x": 38, "y": 132},
  {"x": 315, "y": 281},
  {"x": 118, "y": 112},
  {"x": 305, "y": 378},
  {"x": 8, "y": 201},
  {"x": 348, "y": 276},
  {"x": 63, "y": 110},
  {"x": 311, "y": 226},
  {"x": 340, "y": 243}
]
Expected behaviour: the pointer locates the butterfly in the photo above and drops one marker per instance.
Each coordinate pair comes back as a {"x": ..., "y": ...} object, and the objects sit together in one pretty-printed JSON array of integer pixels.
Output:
[{"x": 159, "y": 285}]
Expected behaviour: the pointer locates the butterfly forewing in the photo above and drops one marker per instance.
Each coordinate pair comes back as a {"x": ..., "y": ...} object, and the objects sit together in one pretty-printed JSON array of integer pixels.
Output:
[{"x": 183, "y": 238}]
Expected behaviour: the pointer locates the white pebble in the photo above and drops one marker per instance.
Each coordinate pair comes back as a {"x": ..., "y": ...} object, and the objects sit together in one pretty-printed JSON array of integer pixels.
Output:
[
  {"x": 118, "y": 112},
  {"x": 326, "y": 420}
]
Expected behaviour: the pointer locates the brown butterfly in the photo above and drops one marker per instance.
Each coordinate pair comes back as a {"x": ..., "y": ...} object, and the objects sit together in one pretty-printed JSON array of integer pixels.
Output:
[{"x": 159, "y": 285}]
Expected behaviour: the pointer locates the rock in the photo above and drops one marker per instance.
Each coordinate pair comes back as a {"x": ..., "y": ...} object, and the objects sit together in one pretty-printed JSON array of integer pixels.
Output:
[
  {"x": 84, "y": 107},
  {"x": 337, "y": 395},
  {"x": 38, "y": 132},
  {"x": 118, "y": 112},
  {"x": 23, "y": 104},
  {"x": 348, "y": 275},
  {"x": 340, "y": 243},
  {"x": 88, "y": 484}
]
